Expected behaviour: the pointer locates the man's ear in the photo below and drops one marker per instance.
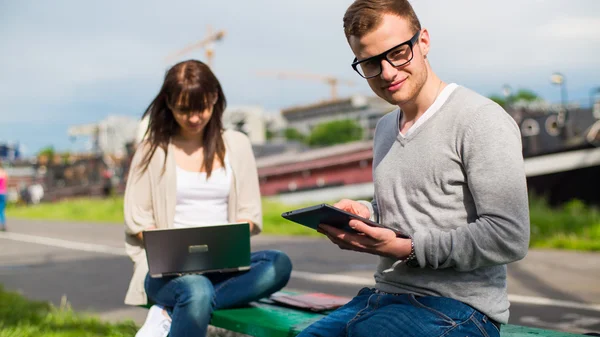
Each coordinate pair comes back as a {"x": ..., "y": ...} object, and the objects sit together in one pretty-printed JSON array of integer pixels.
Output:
[{"x": 424, "y": 42}]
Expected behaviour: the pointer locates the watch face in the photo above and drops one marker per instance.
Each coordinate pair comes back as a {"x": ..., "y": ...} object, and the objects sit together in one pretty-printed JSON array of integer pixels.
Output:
[{"x": 414, "y": 263}]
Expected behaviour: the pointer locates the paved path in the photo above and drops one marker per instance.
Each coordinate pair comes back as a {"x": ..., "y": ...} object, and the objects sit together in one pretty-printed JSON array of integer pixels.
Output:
[{"x": 47, "y": 260}]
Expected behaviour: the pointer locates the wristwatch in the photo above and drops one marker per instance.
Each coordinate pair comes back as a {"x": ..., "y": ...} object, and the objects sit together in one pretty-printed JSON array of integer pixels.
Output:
[{"x": 410, "y": 261}]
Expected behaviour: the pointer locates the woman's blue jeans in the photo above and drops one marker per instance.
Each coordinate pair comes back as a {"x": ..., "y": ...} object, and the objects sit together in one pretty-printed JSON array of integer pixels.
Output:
[
  {"x": 191, "y": 299},
  {"x": 377, "y": 314}
]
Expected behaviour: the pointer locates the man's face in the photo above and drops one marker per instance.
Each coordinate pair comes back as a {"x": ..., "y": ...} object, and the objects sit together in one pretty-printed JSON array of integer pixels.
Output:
[{"x": 396, "y": 85}]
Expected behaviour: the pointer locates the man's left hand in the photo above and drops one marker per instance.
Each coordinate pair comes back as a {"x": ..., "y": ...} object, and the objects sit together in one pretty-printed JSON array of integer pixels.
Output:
[{"x": 372, "y": 240}]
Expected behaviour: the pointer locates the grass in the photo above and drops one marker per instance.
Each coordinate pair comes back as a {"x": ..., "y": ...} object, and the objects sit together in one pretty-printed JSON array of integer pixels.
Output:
[
  {"x": 275, "y": 224},
  {"x": 572, "y": 226},
  {"x": 20, "y": 317},
  {"x": 109, "y": 210}
]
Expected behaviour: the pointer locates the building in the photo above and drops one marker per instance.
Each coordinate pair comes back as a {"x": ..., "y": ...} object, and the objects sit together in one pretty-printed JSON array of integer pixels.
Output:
[
  {"x": 318, "y": 174},
  {"x": 562, "y": 162},
  {"x": 21, "y": 174},
  {"x": 367, "y": 110},
  {"x": 108, "y": 136},
  {"x": 10, "y": 152},
  {"x": 248, "y": 119}
]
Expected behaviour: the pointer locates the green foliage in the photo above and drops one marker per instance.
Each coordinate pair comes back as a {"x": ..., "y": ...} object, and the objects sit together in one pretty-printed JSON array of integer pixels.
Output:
[
  {"x": 499, "y": 99},
  {"x": 20, "y": 317},
  {"x": 570, "y": 226},
  {"x": 269, "y": 134},
  {"x": 47, "y": 151},
  {"x": 522, "y": 95},
  {"x": 292, "y": 134},
  {"x": 335, "y": 132}
]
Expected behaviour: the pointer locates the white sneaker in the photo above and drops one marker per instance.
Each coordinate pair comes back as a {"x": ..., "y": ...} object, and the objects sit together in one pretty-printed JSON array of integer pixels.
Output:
[{"x": 156, "y": 324}]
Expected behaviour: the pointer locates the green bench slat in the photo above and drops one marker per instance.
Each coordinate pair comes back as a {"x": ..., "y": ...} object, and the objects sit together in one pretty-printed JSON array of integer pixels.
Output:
[
  {"x": 267, "y": 320},
  {"x": 521, "y": 331}
]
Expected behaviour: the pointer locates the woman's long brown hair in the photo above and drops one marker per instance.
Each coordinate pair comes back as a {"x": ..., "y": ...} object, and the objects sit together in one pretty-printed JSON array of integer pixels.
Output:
[{"x": 188, "y": 86}]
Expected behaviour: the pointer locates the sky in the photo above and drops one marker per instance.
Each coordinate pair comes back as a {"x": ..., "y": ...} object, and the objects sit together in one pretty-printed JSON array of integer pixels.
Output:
[{"x": 68, "y": 62}]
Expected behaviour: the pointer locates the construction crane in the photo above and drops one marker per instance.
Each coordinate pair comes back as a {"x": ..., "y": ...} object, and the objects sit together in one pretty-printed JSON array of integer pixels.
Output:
[
  {"x": 207, "y": 43},
  {"x": 332, "y": 81}
]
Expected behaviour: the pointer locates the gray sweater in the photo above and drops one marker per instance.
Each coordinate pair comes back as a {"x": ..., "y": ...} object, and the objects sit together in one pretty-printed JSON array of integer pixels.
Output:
[{"x": 457, "y": 186}]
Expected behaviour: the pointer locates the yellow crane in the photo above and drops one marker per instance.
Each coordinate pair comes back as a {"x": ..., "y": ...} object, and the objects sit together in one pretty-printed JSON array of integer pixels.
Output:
[
  {"x": 332, "y": 81},
  {"x": 206, "y": 43}
]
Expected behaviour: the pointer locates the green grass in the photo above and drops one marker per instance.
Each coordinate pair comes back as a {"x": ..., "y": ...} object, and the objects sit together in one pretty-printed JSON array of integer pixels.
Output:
[
  {"x": 275, "y": 224},
  {"x": 20, "y": 317},
  {"x": 109, "y": 210},
  {"x": 572, "y": 226}
]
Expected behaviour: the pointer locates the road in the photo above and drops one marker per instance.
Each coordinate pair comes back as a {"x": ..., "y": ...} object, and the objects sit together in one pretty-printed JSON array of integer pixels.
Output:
[{"x": 85, "y": 263}]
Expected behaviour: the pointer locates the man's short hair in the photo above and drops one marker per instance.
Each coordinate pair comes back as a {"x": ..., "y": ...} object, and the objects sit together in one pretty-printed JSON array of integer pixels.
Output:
[{"x": 364, "y": 16}]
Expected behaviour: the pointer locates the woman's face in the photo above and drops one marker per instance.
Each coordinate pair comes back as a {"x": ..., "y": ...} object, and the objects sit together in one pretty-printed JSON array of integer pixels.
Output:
[{"x": 192, "y": 122}]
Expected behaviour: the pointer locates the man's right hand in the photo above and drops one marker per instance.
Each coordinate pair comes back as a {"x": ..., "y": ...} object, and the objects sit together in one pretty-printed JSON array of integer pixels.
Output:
[
  {"x": 140, "y": 235},
  {"x": 353, "y": 207}
]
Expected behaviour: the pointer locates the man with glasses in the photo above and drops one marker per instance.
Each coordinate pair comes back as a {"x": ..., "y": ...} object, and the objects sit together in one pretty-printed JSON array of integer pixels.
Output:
[{"x": 448, "y": 173}]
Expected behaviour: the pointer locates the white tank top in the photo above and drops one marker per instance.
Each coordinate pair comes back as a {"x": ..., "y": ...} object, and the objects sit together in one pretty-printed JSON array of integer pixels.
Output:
[{"x": 201, "y": 201}]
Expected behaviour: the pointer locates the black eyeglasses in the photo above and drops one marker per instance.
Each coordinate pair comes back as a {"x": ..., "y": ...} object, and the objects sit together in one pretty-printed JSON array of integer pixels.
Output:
[{"x": 396, "y": 56}]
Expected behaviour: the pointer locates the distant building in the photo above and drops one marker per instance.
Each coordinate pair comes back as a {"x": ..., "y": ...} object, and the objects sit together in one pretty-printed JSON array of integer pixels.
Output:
[
  {"x": 273, "y": 148},
  {"x": 108, "y": 136},
  {"x": 247, "y": 119},
  {"x": 316, "y": 169},
  {"x": 9, "y": 152},
  {"x": 367, "y": 110},
  {"x": 21, "y": 174}
]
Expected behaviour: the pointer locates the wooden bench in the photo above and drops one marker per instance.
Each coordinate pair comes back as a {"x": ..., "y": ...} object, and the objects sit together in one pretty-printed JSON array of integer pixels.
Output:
[{"x": 264, "y": 318}]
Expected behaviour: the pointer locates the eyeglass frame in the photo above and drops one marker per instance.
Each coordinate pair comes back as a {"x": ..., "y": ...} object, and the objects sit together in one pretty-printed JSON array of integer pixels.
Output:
[{"x": 383, "y": 56}]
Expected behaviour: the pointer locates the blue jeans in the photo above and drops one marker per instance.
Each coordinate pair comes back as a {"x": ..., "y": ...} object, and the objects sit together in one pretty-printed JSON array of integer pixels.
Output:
[
  {"x": 2, "y": 209},
  {"x": 191, "y": 299},
  {"x": 376, "y": 314}
]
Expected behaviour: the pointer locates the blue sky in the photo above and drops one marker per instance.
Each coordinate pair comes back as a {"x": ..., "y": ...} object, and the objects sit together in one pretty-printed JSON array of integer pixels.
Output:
[{"x": 68, "y": 62}]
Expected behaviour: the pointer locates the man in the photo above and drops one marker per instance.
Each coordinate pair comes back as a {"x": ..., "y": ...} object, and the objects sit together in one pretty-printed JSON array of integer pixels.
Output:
[{"x": 448, "y": 172}]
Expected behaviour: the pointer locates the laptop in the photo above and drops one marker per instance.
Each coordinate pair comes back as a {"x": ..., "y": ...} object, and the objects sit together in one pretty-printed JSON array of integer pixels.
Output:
[{"x": 197, "y": 250}]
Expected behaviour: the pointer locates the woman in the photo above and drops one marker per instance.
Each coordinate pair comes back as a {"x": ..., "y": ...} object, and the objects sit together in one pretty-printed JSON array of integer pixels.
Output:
[
  {"x": 190, "y": 172},
  {"x": 3, "y": 190}
]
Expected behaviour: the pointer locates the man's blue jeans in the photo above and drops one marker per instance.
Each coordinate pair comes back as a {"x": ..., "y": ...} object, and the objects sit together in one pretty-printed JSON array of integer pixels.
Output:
[
  {"x": 376, "y": 314},
  {"x": 191, "y": 299}
]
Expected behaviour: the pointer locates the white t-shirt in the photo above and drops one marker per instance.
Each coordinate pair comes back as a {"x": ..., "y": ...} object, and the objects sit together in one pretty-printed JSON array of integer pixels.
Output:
[
  {"x": 201, "y": 201},
  {"x": 439, "y": 101}
]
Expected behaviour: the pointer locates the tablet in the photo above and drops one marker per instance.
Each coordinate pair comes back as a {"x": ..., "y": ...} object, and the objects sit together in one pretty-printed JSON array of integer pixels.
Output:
[{"x": 326, "y": 214}]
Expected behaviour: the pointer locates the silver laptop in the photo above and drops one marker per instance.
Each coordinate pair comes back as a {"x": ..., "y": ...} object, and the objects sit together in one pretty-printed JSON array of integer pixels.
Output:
[{"x": 196, "y": 250}]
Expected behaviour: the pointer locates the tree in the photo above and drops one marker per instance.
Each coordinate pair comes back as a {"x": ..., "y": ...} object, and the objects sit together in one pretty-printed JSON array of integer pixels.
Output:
[
  {"x": 294, "y": 135},
  {"x": 499, "y": 99},
  {"x": 522, "y": 95},
  {"x": 335, "y": 132},
  {"x": 269, "y": 134},
  {"x": 65, "y": 156},
  {"x": 525, "y": 95},
  {"x": 48, "y": 151}
]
